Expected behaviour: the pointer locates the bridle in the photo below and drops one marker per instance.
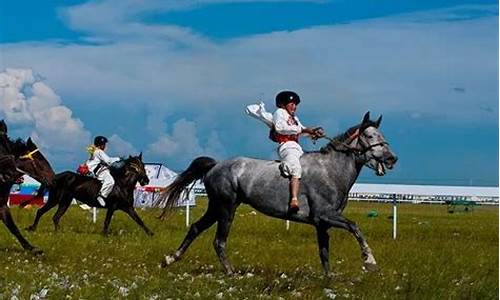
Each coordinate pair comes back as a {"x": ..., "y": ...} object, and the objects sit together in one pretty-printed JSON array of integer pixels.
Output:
[{"x": 29, "y": 155}]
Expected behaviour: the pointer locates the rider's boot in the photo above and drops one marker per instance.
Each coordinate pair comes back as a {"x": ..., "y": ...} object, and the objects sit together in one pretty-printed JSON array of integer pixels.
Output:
[{"x": 101, "y": 201}]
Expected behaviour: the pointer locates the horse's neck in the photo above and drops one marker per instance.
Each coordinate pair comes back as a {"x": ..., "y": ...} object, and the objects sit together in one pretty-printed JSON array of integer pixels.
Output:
[
  {"x": 127, "y": 182},
  {"x": 4, "y": 146},
  {"x": 350, "y": 166}
]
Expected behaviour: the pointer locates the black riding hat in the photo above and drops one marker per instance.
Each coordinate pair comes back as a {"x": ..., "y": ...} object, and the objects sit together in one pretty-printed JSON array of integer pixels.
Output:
[
  {"x": 285, "y": 97},
  {"x": 100, "y": 140}
]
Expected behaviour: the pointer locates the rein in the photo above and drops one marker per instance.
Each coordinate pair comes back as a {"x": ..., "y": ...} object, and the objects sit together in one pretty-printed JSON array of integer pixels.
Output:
[{"x": 351, "y": 138}]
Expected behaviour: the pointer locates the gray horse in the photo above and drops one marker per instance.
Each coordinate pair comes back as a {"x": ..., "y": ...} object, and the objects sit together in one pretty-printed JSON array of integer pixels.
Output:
[{"x": 328, "y": 175}]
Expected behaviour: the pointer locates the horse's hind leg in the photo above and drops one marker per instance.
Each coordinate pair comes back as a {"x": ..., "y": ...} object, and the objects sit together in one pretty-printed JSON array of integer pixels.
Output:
[
  {"x": 61, "y": 210},
  {"x": 133, "y": 214},
  {"x": 339, "y": 221},
  {"x": 40, "y": 212},
  {"x": 207, "y": 220},
  {"x": 225, "y": 219},
  {"x": 9, "y": 222},
  {"x": 323, "y": 245}
]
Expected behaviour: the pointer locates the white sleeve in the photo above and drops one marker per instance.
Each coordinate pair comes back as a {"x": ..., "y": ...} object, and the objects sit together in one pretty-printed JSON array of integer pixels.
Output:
[
  {"x": 259, "y": 112},
  {"x": 280, "y": 120},
  {"x": 102, "y": 156}
]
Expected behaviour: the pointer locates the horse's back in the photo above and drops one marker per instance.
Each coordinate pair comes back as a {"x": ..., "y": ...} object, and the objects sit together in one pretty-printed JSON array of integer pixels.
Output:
[
  {"x": 72, "y": 178},
  {"x": 255, "y": 182},
  {"x": 226, "y": 175},
  {"x": 78, "y": 186}
]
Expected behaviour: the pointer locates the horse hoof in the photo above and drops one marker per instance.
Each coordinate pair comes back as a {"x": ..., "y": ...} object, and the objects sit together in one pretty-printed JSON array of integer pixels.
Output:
[
  {"x": 36, "y": 251},
  {"x": 167, "y": 261},
  {"x": 30, "y": 228},
  {"x": 230, "y": 272},
  {"x": 369, "y": 267}
]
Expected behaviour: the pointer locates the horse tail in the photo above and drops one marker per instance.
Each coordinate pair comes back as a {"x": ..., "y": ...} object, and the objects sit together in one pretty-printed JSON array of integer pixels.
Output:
[
  {"x": 198, "y": 168},
  {"x": 40, "y": 192}
]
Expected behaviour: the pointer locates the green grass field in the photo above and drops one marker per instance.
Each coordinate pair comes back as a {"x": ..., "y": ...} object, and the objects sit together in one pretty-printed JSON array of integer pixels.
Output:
[{"x": 436, "y": 256}]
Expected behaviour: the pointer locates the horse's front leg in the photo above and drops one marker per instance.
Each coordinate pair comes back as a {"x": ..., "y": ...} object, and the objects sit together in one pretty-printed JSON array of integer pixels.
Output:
[
  {"x": 107, "y": 221},
  {"x": 339, "y": 221},
  {"x": 133, "y": 214},
  {"x": 9, "y": 222}
]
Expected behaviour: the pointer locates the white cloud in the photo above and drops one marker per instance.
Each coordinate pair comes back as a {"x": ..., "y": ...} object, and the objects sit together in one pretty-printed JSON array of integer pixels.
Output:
[
  {"x": 394, "y": 64},
  {"x": 28, "y": 104},
  {"x": 14, "y": 106},
  {"x": 120, "y": 147},
  {"x": 183, "y": 144},
  {"x": 407, "y": 64},
  {"x": 108, "y": 20}
]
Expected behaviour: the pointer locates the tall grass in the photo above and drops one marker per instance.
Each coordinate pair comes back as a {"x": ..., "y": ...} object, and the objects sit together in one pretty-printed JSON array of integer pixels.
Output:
[{"x": 437, "y": 255}]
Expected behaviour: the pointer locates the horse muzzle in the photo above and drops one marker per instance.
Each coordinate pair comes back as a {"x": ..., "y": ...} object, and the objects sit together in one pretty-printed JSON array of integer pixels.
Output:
[
  {"x": 388, "y": 163},
  {"x": 144, "y": 181}
]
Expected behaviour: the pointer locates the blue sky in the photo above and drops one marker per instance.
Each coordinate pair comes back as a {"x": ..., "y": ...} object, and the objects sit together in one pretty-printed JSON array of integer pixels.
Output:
[{"x": 171, "y": 78}]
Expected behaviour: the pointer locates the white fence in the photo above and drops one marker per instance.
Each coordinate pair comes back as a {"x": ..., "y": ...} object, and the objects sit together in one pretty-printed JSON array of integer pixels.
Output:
[{"x": 413, "y": 193}]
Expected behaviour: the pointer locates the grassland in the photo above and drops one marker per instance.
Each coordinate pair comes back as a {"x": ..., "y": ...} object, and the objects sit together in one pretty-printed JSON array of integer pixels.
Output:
[{"x": 436, "y": 256}]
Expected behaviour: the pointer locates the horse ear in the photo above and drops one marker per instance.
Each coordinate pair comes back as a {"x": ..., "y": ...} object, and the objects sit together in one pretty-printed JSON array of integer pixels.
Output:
[
  {"x": 3, "y": 126},
  {"x": 140, "y": 156},
  {"x": 366, "y": 118},
  {"x": 377, "y": 123},
  {"x": 29, "y": 142}
]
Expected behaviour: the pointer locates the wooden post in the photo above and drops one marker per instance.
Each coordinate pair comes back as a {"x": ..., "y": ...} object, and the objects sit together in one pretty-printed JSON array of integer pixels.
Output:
[{"x": 394, "y": 216}]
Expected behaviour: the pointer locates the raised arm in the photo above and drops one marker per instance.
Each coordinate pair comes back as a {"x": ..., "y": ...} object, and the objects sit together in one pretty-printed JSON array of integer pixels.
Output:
[{"x": 105, "y": 158}]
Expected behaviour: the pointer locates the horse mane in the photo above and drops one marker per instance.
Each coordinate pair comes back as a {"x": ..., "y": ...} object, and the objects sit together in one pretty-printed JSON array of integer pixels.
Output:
[
  {"x": 4, "y": 143},
  {"x": 16, "y": 147},
  {"x": 118, "y": 172},
  {"x": 337, "y": 143}
]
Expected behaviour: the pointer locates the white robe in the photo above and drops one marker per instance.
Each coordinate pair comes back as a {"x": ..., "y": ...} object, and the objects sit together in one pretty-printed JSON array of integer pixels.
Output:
[
  {"x": 289, "y": 152},
  {"x": 103, "y": 174}
]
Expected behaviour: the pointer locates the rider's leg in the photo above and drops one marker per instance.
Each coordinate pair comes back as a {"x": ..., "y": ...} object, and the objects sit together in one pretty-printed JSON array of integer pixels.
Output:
[
  {"x": 294, "y": 191},
  {"x": 291, "y": 167},
  {"x": 107, "y": 186}
]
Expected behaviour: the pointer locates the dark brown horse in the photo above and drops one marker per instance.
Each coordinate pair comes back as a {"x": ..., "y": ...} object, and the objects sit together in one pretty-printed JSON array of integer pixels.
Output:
[
  {"x": 18, "y": 158},
  {"x": 70, "y": 185}
]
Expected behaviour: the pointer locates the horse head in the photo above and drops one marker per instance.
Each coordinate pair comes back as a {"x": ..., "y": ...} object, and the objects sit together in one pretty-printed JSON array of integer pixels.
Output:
[
  {"x": 134, "y": 165},
  {"x": 31, "y": 161},
  {"x": 367, "y": 143},
  {"x": 372, "y": 146}
]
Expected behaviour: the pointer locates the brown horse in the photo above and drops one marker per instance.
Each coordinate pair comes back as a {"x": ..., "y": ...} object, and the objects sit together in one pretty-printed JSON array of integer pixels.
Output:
[
  {"x": 18, "y": 158},
  {"x": 70, "y": 185}
]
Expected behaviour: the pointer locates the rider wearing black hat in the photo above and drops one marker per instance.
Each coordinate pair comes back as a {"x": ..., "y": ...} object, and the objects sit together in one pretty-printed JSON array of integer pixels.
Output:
[
  {"x": 286, "y": 131},
  {"x": 98, "y": 164}
]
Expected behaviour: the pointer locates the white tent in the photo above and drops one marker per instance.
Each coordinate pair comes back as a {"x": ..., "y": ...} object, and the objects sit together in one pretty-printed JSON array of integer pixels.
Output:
[{"x": 159, "y": 177}]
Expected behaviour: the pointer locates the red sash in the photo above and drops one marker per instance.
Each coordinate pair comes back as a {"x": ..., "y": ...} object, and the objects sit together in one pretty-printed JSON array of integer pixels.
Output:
[{"x": 283, "y": 138}]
